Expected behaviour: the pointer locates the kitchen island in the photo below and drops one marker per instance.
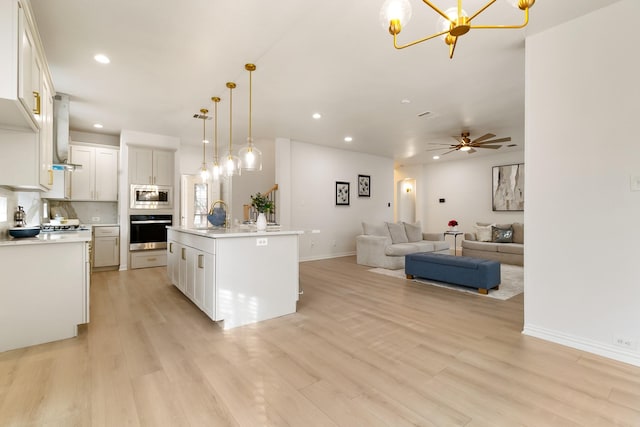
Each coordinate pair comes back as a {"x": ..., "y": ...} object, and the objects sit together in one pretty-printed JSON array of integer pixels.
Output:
[
  {"x": 44, "y": 289},
  {"x": 235, "y": 275}
]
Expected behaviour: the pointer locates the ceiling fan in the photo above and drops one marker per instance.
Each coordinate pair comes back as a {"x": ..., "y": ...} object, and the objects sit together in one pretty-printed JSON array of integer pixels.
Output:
[{"x": 466, "y": 144}]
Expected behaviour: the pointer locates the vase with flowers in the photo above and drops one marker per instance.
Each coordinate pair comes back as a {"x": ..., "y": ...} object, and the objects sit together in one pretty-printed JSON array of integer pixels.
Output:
[
  {"x": 453, "y": 225},
  {"x": 262, "y": 204}
]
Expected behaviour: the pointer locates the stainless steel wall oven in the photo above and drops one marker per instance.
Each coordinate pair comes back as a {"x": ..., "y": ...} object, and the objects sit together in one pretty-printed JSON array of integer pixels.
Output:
[{"x": 148, "y": 231}]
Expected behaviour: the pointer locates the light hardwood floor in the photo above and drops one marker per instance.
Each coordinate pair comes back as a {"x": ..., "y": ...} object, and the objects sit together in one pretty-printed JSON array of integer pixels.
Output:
[{"x": 363, "y": 350}]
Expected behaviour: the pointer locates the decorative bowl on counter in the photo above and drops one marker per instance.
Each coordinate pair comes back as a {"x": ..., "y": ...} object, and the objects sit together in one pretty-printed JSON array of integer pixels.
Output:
[{"x": 24, "y": 231}]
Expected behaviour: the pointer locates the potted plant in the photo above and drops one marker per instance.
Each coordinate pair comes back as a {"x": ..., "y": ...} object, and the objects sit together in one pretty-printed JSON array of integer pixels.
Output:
[
  {"x": 262, "y": 204},
  {"x": 453, "y": 225}
]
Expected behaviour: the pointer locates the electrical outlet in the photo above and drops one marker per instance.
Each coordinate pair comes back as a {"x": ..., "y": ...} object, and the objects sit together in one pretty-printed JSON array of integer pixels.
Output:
[
  {"x": 625, "y": 341},
  {"x": 261, "y": 241},
  {"x": 95, "y": 219}
]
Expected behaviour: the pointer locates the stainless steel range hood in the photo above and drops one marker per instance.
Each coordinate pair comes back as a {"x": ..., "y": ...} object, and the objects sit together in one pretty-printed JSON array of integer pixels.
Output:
[{"x": 61, "y": 134}]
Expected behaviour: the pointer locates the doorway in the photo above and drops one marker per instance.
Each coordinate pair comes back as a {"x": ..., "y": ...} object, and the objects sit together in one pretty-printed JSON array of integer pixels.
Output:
[{"x": 196, "y": 197}]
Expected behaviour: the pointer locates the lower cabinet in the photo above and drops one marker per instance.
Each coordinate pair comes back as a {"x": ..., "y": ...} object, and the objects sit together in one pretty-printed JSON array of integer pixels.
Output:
[
  {"x": 106, "y": 246},
  {"x": 192, "y": 271},
  {"x": 144, "y": 259}
]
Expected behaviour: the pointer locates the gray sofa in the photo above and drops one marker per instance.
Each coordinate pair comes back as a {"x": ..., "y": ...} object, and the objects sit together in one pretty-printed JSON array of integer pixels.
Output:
[
  {"x": 500, "y": 246},
  {"x": 385, "y": 244}
]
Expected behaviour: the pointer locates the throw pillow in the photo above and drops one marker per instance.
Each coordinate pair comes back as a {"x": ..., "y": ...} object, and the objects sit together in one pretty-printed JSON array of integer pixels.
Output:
[
  {"x": 483, "y": 232},
  {"x": 518, "y": 232},
  {"x": 380, "y": 229},
  {"x": 502, "y": 235},
  {"x": 398, "y": 235},
  {"x": 414, "y": 231}
]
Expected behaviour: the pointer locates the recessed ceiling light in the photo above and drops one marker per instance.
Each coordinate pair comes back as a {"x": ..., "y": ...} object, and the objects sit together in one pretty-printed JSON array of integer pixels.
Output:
[
  {"x": 436, "y": 157},
  {"x": 317, "y": 116},
  {"x": 103, "y": 59},
  {"x": 348, "y": 139},
  {"x": 405, "y": 101},
  {"x": 98, "y": 125}
]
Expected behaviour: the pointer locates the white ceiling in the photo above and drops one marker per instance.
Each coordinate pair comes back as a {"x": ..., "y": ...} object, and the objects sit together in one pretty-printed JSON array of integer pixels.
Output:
[{"x": 169, "y": 58}]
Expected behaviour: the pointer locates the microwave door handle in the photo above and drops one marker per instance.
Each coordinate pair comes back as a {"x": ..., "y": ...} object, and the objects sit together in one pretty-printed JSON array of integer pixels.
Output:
[{"x": 160, "y": 221}]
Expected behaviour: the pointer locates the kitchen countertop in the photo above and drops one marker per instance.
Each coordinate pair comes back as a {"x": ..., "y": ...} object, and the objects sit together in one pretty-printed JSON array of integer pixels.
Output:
[
  {"x": 49, "y": 237},
  {"x": 240, "y": 231}
]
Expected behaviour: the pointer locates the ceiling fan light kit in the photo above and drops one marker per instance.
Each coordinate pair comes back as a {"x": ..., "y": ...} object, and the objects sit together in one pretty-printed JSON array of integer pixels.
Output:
[{"x": 454, "y": 22}]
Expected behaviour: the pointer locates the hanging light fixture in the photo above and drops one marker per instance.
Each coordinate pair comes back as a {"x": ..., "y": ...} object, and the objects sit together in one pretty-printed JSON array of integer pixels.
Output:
[
  {"x": 232, "y": 164},
  {"x": 250, "y": 156},
  {"x": 397, "y": 13},
  {"x": 204, "y": 172},
  {"x": 215, "y": 168}
]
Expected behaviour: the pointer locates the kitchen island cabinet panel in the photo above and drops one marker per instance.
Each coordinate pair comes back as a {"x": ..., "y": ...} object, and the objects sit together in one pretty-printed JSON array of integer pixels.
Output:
[
  {"x": 43, "y": 292},
  {"x": 237, "y": 276}
]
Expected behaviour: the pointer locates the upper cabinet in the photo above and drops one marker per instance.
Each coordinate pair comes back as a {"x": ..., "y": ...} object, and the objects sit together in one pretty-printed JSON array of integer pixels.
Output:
[
  {"x": 98, "y": 178},
  {"x": 149, "y": 166},
  {"x": 23, "y": 69},
  {"x": 26, "y": 104}
]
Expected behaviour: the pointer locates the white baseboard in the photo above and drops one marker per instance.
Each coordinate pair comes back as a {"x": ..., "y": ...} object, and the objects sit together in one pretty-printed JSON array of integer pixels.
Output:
[
  {"x": 326, "y": 256},
  {"x": 607, "y": 350}
]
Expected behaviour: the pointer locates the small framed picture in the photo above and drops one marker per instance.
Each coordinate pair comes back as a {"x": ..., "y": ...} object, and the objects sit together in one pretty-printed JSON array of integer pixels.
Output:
[
  {"x": 364, "y": 186},
  {"x": 342, "y": 193}
]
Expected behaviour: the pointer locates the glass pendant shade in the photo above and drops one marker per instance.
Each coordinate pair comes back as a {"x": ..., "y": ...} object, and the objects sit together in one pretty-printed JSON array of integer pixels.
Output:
[
  {"x": 215, "y": 171},
  {"x": 399, "y": 10},
  {"x": 250, "y": 158},
  {"x": 232, "y": 165}
]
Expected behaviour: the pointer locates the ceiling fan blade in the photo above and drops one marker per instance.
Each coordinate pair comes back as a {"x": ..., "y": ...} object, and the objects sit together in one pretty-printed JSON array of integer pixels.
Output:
[
  {"x": 494, "y": 141},
  {"x": 459, "y": 139},
  {"x": 493, "y": 147},
  {"x": 450, "y": 151},
  {"x": 440, "y": 143},
  {"x": 483, "y": 137}
]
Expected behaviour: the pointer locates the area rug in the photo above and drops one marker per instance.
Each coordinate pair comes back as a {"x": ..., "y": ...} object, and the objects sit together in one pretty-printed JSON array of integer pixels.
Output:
[{"x": 512, "y": 284}]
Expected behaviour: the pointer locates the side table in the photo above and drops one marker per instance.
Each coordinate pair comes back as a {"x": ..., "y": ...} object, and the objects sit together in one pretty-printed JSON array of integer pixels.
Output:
[{"x": 455, "y": 235}]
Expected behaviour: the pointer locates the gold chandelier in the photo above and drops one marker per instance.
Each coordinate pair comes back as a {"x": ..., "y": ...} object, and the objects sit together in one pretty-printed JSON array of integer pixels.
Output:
[{"x": 455, "y": 21}]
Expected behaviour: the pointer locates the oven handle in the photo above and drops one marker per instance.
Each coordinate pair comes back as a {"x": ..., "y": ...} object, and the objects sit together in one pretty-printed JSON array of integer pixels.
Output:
[{"x": 153, "y": 221}]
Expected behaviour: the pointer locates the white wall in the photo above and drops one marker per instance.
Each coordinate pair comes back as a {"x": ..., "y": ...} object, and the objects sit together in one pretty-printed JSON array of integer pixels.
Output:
[
  {"x": 466, "y": 187},
  {"x": 307, "y": 193},
  {"x": 582, "y": 282}
]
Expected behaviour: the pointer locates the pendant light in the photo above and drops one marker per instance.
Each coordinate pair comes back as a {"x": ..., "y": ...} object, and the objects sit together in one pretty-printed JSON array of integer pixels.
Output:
[
  {"x": 204, "y": 172},
  {"x": 215, "y": 169},
  {"x": 232, "y": 163},
  {"x": 250, "y": 156}
]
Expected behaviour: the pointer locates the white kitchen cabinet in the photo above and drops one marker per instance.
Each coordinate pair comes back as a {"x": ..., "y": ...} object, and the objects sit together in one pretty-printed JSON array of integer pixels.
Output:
[
  {"x": 146, "y": 259},
  {"x": 191, "y": 270},
  {"x": 46, "y": 136},
  {"x": 106, "y": 246},
  {"x": 150, "y": 166},
  {"x": 22, "y": 68},
  {"x": 98, "y": 178},
  {"x": 44, "y": 291}
]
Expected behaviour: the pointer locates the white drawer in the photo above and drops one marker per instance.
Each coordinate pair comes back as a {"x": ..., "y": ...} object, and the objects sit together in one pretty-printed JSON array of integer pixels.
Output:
[
  {"x": 147, "y": 259},
  {"x": 106, "y": 231}
]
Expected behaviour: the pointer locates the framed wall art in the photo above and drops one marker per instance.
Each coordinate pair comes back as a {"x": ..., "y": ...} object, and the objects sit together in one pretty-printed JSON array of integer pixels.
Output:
[
  {"x": 364, "y": 186},
  {"x": 342, "y": 193},
  {"x": 508, "y": 187}
]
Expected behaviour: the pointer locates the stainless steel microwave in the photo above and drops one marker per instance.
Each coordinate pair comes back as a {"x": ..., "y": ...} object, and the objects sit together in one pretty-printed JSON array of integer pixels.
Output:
[{"x": 151, "y": 197}]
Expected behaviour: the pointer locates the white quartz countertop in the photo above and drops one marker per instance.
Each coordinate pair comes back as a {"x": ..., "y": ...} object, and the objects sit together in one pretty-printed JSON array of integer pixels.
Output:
[
  {"x": 48, "y": 237},
  {"x": 240, "y": 231}
]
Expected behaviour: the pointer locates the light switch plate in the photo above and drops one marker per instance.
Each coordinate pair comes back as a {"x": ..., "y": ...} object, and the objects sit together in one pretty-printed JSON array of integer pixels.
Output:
[
  {"x": 261, "y": 241},
  {"x": 635, "y": 183}
]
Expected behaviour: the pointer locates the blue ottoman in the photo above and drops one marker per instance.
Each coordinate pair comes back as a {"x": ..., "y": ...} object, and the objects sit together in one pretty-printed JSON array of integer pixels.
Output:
[{"x": 460, "y": 270}]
